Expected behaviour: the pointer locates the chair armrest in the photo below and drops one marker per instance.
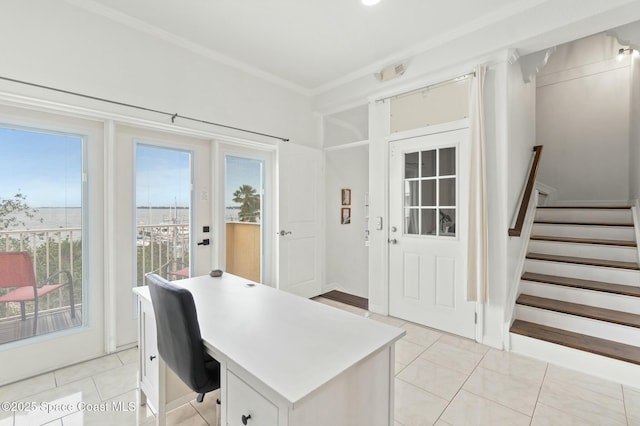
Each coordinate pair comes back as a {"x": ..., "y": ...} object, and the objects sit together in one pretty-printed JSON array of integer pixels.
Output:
[
  {"x": 55, "y": 274},
  {"x": 70, "y": 284}
]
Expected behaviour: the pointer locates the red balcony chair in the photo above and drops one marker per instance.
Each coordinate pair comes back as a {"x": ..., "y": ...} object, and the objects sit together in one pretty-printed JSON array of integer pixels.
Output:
[{"x": 16, "y": 271}]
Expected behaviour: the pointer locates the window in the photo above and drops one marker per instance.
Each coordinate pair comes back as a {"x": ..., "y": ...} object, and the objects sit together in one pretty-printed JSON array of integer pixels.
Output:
[
  {"x": 41, "y": 215},
  {"x": 430, "y": 192}
]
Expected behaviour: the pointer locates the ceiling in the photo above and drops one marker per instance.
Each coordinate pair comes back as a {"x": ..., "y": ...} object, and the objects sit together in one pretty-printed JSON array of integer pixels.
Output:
[{"x": 308, "y": 45}]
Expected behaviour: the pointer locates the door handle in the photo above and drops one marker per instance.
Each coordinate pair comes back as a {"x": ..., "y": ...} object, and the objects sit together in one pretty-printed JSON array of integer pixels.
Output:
[
  {"x": 393, "y": 241},
  {"x": 283, "y": 233},
  {"x": 204, "y": 242}
]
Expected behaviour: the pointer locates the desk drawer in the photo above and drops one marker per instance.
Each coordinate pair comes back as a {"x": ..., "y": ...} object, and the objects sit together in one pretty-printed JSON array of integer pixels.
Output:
[{"x": 245, "y": 406}]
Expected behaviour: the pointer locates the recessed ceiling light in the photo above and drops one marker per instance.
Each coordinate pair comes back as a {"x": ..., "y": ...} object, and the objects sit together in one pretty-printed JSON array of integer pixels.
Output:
[{"x": 370, "y": 2}]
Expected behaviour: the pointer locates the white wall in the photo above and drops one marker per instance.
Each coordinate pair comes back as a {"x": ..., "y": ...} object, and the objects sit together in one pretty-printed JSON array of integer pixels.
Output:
[
  {"x": 634, "y": 131},
  {"x": 343, "y": 127},
  {"x": 583, "y": 121},
  {"x": 57, "y": 44},
  {"x": 347, "y": 258},
  {"x": 496, "y": 134},
  {"x": 521, "y": 121}
]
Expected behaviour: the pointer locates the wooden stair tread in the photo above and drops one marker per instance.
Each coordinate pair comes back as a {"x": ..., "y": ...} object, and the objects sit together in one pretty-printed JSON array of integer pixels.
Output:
[
  {"x": 585, "y": 207},
  {"x": 584, "y": 261},
  {"x": 596, "y": 241},
  {"x": 578, "y": 341},
  {"x": 560, "y": 222},
  {"x": 600, "y": 314},
  {"x": 626, "y": 290}
]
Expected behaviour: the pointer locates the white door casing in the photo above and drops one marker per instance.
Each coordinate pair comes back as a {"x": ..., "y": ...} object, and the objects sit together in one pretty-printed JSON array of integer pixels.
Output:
[
  {"x": 300, "y": 183},
  {"x": 427, "y": 273}
]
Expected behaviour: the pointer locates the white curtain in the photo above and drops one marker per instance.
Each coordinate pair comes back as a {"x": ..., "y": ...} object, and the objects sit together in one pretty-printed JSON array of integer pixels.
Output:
[{"x": 478, "y": 245}]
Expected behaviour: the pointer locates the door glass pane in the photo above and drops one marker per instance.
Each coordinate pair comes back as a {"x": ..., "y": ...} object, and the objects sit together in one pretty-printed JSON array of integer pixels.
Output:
[
  {"x": 163, "y": 212},
  {"x": 411, "y": 165},
  {"x": 429, "y": 193},
  {"x": 448, "y": 161},
  {"x": 428, "y": 222},
  {"x": 428, "y": 163},
  {"x": 41, "y": 232},
  {"x": 448, "y": 222},
  {"x": 244, "y": 216},
  {"x": 411, "y": 194},
  {"x": 448, "y": 192},
  {"x": 411, "y": 221}
]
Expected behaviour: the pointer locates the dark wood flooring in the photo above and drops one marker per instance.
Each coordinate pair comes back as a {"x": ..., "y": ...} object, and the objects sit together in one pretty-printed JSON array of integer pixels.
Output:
[
  {"x": 348, "y": 299},
  {"x": 585, "y": 311},
  {"x": 626, "y": 290},
  {"x": 594, "y": 241},
  {"x": 584, "y": 261}
]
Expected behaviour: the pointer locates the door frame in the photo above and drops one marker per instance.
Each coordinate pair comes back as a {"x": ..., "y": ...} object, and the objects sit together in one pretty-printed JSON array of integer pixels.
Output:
[
  {"x": 266, "y": 153},
  {"x": 381, "y": 112}
]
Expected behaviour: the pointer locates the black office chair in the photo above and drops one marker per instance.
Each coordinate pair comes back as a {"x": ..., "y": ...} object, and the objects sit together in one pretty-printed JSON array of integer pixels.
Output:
[{"x": 179, "y": 340}]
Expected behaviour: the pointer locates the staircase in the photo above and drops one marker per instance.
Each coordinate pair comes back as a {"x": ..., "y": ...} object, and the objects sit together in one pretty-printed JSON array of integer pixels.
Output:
[{"x": 579, "y": 294}]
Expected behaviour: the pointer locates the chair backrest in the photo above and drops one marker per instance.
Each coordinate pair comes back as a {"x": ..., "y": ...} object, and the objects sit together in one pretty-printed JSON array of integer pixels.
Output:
[
  {"x": 16, "y": 270},
  {"x": 179, "y": 340}
]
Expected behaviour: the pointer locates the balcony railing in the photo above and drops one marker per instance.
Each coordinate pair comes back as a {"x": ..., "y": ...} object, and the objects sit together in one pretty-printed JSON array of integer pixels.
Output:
[{"x": 161, "y": 249}]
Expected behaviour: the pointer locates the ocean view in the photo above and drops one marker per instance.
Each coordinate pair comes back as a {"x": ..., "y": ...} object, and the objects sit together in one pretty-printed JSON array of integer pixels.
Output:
[{"x": 71, "y": 217}]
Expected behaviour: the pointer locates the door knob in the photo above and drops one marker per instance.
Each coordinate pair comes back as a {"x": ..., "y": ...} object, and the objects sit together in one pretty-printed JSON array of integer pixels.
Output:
[
  {"x": 283, "y": 233},
  {"x": 393, "y": 241},
  {"x": 245, "y": 419}
]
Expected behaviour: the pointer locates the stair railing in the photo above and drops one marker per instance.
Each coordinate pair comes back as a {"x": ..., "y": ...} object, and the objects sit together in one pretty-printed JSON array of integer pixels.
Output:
[{"x": 526, "y": 198}]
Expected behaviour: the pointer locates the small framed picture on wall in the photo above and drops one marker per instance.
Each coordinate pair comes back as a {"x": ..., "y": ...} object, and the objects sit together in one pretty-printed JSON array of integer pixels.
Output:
[
  {"x": 345, "y": 218},
  {"x": 346, "y": 197}
]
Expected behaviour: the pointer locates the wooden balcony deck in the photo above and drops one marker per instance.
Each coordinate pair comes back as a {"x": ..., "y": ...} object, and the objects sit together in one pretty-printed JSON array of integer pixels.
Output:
[{"x": 13, "y": 329}]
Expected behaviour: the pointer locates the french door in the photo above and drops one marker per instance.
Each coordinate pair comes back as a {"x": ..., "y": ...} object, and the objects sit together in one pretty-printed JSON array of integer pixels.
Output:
[
  {"x": 245, "y": 211},
  {"x": 52, "y": 211},
  {"x": 163, "y": 226},
  {"x": 428, "y": 193}
]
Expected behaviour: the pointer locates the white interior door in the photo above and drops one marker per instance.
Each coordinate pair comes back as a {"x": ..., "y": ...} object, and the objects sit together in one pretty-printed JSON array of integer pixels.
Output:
[
  {"x": 300, "y": 219},
  {"x": 428, "y": 193}
]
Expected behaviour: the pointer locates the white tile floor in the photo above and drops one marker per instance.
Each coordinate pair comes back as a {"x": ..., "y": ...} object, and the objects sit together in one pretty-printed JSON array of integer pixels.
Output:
[{"x": 440, "y": 380}]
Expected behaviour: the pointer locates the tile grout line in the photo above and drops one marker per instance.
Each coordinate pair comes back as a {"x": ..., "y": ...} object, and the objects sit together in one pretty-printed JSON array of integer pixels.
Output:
[
  {"x": 535, "y": 407},
  {"x": 461, "y": 386},
  {"x": 624, "y": 405}
]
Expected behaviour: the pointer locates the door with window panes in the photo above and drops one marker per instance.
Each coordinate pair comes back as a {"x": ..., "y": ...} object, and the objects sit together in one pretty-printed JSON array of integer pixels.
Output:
[{"x": 428, "y": 197}]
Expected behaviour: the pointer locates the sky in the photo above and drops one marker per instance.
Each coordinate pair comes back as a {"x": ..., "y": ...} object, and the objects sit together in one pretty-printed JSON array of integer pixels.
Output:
[{"x": 47, "y": 168}]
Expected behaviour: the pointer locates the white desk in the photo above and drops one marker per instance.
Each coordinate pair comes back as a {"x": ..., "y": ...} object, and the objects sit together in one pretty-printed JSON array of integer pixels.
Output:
[{"x": 285, "y": 360}]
